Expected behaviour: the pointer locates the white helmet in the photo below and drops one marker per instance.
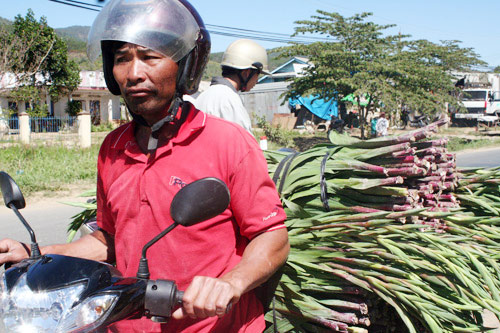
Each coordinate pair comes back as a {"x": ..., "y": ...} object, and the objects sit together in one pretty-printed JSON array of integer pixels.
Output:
[{"x": 246, "y": 54}]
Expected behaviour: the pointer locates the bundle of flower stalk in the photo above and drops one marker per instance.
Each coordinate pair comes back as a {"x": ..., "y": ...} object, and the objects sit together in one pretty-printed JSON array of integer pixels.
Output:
[
  {"x": 379, "y": 241},
  {"x": 478, "y": 190}
]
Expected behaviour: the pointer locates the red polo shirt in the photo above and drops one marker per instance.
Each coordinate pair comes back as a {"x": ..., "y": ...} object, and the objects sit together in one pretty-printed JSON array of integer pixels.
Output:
[{"x": 134, "y": 195}]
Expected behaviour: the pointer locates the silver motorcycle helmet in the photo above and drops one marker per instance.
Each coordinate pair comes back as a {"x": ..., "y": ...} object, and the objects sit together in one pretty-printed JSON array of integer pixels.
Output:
[{"x": 170, "y": 27}]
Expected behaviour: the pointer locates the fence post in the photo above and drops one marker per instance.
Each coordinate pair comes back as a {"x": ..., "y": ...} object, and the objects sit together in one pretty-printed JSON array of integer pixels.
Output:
[
  {"x": 84, "y": 129},
  {"x": 24, "y": 128}
]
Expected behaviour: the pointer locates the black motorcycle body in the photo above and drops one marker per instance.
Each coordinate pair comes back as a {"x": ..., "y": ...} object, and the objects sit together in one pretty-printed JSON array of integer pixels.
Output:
[
  {"x": 407, "y": 118},
  {"x": 336, "y": 125},
  {"x": 56, "y": 293},
  {"x": 95, "y": 283}
]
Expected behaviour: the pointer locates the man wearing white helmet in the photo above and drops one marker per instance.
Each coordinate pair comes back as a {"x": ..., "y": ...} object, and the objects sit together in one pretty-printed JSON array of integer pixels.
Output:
[
  {"x": 242, "y": 63},
  {"x": 154, "y": 52}
]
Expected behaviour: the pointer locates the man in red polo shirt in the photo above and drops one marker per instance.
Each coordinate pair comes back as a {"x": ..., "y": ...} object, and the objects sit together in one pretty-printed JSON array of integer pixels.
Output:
[{"x": 154, "y": 52}]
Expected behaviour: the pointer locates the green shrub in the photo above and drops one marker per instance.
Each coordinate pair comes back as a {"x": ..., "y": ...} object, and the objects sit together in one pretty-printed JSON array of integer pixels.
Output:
[
  {"x": 460, "y": 143},
  {"x": 73, "y": 108},
  {"x": 106, "y": 127},
  {"x": 277, "y": 135}
]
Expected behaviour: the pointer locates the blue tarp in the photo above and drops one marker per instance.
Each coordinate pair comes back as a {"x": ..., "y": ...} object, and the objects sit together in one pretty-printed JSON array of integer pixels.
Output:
[{"x": 318, "y": 106}]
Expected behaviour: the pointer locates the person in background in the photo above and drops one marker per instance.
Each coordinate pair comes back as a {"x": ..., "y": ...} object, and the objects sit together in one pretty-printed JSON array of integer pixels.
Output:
[
  {"x": 382, "y": 125},
  {"x": 241, "y": 64},
  {"x": 373, "y": 126},
  {"x": 154, "y": 52}
]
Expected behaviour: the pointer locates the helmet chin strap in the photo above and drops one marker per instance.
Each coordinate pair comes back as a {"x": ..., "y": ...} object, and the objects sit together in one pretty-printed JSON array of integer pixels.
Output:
[
  {"x": 155, "y": 128},
  {"x": 243, "y": 81},
  {"x": 255, "y": 69}
]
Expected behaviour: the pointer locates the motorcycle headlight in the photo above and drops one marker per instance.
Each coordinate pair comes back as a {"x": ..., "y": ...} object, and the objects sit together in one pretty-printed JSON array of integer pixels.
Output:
[
  {"x": 89, "y": 314},
  {"x": 26, "y": 310}
]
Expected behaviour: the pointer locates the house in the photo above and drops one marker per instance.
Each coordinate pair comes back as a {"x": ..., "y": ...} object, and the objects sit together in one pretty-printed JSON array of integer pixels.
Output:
[
  {"x": 96, "y": 98},
  {"x": 290, "y": 69},
  {"x": 92, "y": 92},
  {"x": 266, "y": 98}
]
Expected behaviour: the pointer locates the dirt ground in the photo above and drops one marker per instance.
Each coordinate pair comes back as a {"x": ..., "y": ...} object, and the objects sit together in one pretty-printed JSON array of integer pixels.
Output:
[
  {"x": 70, "y": 193},
  {"x": 304, "y": 143}
]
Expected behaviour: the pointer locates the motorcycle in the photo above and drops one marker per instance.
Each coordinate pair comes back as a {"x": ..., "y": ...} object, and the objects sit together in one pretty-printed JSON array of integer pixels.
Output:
[
  {"x": 57, "y": 293},
  {"x": 336, "y": 125},
  {"x": 414, "y": 121}
]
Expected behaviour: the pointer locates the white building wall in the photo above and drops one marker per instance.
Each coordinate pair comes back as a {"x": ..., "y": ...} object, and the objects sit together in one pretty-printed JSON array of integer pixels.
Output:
[
  {"x": 264, "y": 100},
  {"x": 4, "y": 106},
  {"x": 92, "y": 88},
  {"x": 60, "y": 107},
  {"x": 116, "y": 109},
  {"x": 106, "y": 109}
]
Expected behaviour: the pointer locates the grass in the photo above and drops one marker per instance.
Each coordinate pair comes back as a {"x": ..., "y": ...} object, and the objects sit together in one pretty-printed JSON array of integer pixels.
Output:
[
  {"x": 51, "y": 168},
  {"x": 456, "y": 143}
]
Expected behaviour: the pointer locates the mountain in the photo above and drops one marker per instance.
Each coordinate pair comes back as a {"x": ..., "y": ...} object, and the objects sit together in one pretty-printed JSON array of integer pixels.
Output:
[
  {"x": 76, "y": 39},
  {"x": 5, "y": 21},
  {"x": 77, "y": 32}
]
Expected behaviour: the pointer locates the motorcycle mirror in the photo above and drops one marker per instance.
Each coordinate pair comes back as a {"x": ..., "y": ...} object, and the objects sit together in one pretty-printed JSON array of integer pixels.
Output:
[
  {"x": 11, "y": 192},
  {"x": 14, "y": 199},
  {"x": 196, "y": 202},
  {"x": 200, "y": 201}
]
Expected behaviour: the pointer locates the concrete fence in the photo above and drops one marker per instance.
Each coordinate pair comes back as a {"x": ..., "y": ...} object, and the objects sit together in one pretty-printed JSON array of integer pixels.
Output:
[{"x": 48, "y": 129}]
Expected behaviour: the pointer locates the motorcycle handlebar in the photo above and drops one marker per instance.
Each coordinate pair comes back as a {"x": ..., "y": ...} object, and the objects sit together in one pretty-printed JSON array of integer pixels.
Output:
[{"x": 180, "y": 294}]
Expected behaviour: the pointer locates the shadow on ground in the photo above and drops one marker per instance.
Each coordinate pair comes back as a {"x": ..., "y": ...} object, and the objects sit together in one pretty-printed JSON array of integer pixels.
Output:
[{"x": 303, "y": 144}]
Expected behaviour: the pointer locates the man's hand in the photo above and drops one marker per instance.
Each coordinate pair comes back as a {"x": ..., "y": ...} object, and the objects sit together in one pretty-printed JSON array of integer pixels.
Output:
[
  {"x": 12, "y": 251},
  {"x": 207, "y": 297},
  {"x": 97, "y": 246}
]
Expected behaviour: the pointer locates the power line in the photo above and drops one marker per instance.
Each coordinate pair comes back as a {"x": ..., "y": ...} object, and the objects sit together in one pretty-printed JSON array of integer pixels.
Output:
[
  {"x": 267, "y": 38},
  {"x": 224, "y": 30},
  {"x": 75, "y": 5},
  {"x": 84, "y": 3},
  {"x": 262, "y": 38},
  {"x": 274, "y": 34}
]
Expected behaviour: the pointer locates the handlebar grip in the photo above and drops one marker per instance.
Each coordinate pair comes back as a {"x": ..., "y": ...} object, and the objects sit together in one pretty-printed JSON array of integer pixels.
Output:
[
  {"x": 180, "y": 294},
  {"x": 178, "y": 297}
]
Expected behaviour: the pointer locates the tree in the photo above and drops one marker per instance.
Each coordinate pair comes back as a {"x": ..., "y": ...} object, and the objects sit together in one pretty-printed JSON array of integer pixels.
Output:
[
  {"x": 73, "y": 107},
  {"x": 385, "y": 70},
  {"x": 496, "y": 70},
  {"x": 33, "y": 56}
]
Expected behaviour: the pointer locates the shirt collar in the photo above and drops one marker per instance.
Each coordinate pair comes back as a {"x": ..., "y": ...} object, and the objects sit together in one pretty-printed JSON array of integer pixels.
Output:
[
  {"x": 223, "y": 81},
  {"x": 195, "y": 121}
]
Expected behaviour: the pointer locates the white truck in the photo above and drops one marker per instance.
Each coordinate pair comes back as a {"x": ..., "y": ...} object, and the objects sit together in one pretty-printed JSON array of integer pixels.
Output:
[{"x": 480, "y": 97}]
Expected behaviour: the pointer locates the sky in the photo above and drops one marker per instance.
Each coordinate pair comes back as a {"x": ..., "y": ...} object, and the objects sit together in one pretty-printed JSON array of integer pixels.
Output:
[{"x": 475, "y": 23}]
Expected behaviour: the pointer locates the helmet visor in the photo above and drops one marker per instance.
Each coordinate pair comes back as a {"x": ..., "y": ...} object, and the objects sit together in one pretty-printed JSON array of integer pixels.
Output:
[{"x": 165, "y": 26}]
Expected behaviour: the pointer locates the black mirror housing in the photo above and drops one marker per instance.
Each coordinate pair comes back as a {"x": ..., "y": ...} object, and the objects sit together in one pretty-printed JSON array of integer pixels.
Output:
[
  {"x": 11, "y": 192},
  {"x": 199, "y": 201}
]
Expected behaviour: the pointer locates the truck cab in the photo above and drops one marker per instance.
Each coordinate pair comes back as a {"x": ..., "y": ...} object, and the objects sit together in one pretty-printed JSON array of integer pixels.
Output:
[
  {"x": 480, "y": 102},
  {"x": 480, "y": 97}
]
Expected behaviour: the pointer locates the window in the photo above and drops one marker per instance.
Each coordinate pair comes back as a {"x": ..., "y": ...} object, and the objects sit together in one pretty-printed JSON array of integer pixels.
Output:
[{"x": 474, "y": 95}]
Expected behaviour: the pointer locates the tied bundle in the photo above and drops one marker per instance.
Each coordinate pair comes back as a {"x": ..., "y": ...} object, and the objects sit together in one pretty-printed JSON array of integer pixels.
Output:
[{"x": 386, "y": 235}]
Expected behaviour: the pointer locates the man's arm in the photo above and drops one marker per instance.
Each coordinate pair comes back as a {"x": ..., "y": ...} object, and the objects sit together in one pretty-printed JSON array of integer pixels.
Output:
[
  {"x": 208, "y": 296},
  {"x": 97, "y": 246}
]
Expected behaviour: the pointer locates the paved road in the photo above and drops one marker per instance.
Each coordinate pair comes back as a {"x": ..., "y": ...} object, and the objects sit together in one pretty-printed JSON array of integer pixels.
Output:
[
  {"x": 481, "y": 158},
  {"x": 49, "y": 220}
]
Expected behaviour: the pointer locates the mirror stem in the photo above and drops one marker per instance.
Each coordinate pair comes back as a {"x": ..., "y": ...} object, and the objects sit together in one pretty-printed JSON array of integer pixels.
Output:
[
  {"x": 143, "y": 271},
  {"x": 35, "y": 250}
]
